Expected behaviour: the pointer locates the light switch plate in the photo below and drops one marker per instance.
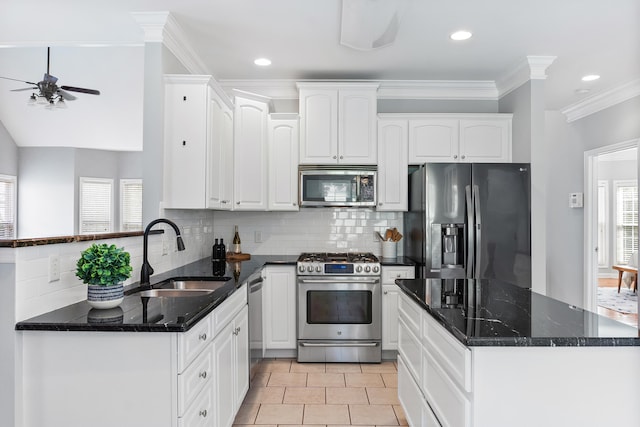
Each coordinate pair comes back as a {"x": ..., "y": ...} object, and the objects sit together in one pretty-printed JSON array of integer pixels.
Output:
[
  {"x": 257, "y": 237},
  {"x": 54, "y": 268},
  {"x": 575, "y": 200}
]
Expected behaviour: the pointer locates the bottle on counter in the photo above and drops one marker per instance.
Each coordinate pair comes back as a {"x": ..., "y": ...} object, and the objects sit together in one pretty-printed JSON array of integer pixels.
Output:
[
  {"x": 236, "y": 242},
  {"x": 215, "y": 251},
  {"x": 223, "y": 250}
]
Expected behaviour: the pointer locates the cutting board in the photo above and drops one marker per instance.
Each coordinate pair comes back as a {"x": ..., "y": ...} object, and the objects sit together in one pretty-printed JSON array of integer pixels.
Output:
[{"x": 232, "y": 256}]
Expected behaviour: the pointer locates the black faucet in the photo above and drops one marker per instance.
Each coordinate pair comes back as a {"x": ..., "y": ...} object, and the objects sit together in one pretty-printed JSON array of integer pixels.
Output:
[{"x": 147, "y": 270}]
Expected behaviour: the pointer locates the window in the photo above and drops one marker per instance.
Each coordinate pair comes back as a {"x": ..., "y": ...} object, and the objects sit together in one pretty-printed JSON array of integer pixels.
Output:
[
  {"x": 8, "y": 207},
  {"x": 626, "y": 193},
  {"x": 603, "y": 224},
  {"x": 96, "y": 205},
  {"x": 130, "y": 204}
]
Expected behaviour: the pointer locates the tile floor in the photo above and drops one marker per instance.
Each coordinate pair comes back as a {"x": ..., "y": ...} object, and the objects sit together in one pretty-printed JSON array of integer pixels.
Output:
[{"x": 285, "y": 392}]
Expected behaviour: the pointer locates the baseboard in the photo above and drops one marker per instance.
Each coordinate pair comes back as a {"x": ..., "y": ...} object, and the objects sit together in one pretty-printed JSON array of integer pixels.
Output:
[{"x": 281, "y": 354}]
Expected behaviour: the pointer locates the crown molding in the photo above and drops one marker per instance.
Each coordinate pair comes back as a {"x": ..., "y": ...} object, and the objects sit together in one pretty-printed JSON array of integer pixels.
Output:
[
  {"x": 162, "y": 27},
  {"x": 388, "y": 89},
  {"x": 532, "y": 68},
  {"x": 601, "y": 101}
]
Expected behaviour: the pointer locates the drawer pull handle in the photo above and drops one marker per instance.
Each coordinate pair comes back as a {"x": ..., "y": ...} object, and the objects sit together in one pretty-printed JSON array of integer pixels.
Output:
[
  {"x": 202, "y": 337},
  {"x": 386, "y": 292},
  {"x": 203, "y": 413},
  {"x": 236, "y": 331},
  {"x": 203, "y": 375}
]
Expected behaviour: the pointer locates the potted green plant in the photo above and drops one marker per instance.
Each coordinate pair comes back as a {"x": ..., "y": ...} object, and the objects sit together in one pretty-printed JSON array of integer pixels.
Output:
[{"x": 104, "y": 268}]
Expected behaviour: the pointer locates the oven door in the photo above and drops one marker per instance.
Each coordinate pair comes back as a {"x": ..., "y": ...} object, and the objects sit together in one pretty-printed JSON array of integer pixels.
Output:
[{"x": 339, "y": 308}]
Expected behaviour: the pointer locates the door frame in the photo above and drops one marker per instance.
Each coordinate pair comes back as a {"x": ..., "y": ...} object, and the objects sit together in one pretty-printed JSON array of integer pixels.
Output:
[{"x": 591, "y": 220}]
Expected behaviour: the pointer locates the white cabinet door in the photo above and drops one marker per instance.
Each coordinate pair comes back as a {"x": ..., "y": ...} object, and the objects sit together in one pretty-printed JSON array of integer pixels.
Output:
[
  {"x": 283, "y": 163},
  {"x": 485, "y": 140},
  {"x": 226, "y": 154},
  {"x": 357, "y": 126},
  {"x": 241, "y": 355},
  {"x": 392, "y": 165},
  {"x": 250, "y": 154},
  {"x": 223, "y": 365},
  {"x": 279, "y": 307},
  {"x": 318, "y": 126},
  {"x": 186, "y": 135},
  {"x": 390, "y": 317},
  {"x": 433, "y": 140},
  {"x": 218, "y": 166}
]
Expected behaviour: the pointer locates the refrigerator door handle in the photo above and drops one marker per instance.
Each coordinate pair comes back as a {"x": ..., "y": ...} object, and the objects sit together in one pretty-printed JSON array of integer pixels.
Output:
[
  {"x": 478, "y": 230},
  {"x": 470, "y": 255}
]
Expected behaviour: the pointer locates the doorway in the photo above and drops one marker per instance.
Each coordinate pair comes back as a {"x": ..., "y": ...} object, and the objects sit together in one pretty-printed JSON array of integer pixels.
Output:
[{"x": 611, "y": 226}]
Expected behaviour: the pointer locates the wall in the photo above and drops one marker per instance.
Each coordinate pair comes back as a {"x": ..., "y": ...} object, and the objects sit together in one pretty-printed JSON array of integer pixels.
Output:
[
  {"x": 8, "y": 153},
  {"x": 436, "y": 106},
  {"x": 518, "y": 102},
  {"x": 309, "y": 230},
  {"x": 7, "y": 337},
  {"x": 565, "y": 232}
]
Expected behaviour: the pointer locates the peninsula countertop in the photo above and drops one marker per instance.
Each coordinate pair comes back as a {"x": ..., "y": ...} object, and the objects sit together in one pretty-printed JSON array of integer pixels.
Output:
[
  {"x": 140, "y": 314},
  {"x": 494, "y": 313}
]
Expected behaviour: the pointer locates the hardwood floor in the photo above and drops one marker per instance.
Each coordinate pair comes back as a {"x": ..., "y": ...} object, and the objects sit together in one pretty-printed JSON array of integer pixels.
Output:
[
  {"x": 285, "y": 392},
  {"x": 629, "y": 319}
]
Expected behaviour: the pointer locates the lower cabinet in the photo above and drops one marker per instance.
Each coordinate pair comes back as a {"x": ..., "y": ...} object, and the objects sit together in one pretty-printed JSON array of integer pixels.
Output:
[
  {"x": 279, "y": 309},
  {"x": 390, "y": 293}
]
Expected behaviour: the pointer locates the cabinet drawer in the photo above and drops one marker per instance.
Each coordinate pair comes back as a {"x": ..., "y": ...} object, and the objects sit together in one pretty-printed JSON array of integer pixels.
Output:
[
  {"x": 194, "y": 378},
  {"x": 409, "y": 394},
  {"x": 201, "y": 412},
  {"x": 410, "y": 312},
  {"x": 192, "y": 342},
  {"x": 224, "y": 313},
  {"x": 449, "y": 353},
  {"x": 410, "y": 349},
  {"x": 390, "y": 274},
  {"x": 449, "y": 403}
]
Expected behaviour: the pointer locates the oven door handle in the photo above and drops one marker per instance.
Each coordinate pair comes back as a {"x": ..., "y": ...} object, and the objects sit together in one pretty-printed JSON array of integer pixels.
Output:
[
  {"x": 339, "y": 344},
  {"x": 366, "y": 282}
]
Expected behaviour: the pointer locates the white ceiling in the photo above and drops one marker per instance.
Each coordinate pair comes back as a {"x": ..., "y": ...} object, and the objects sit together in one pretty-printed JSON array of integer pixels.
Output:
[{"x": 301, "y": 37}]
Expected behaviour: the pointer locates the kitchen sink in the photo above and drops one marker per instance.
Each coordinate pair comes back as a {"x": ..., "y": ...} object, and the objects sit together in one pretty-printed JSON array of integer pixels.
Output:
[
  {"x": 194, "y": 284},
  {"x": 173, "y": 293}
]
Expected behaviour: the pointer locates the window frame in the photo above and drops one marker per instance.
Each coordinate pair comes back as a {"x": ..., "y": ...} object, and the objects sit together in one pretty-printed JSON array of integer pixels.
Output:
[
  {"x": 616, "y": 185},
  {"x": 603, "y": 246},
  {"x": 13, "y": 181},
  {"x": 123, "y": 183},
  {"x": 82, "y": 181}
]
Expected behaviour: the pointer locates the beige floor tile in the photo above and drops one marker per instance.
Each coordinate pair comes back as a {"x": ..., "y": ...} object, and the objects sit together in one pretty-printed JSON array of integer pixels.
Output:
[
  {"x": 347, "y": 395},
  {"x": 343, "y": 367},
  {"x": 390, "y": 380},
  {"x": 252, "y": 425},
  {"x": 304, "y": 395},
  {"x": 327, "y": 414},
  {"x": 307, "y": 367},
  {"x": 364, "y": 380},
  {"x": 264, "y": 395},
  {"x": 325, "y": 380},
  {"x": 247, "y": 413},
  {"x": 275, "y": 365},
  {"x": 378, "y": 367},
  {"x": 402, "y": 418},
  {"x": 372, "y": 414},
  {"x": 280, "y": 414},
  {"x": 260, "y": 379},
  {"x": 383, "y": 396},
  {"x": 285, "y": 379}
]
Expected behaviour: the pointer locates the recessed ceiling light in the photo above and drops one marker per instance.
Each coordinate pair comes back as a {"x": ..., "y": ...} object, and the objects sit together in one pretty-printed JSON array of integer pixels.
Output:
[
  {"x": 590, "y": 78},
  {"x": 263, "y": 62},
  {"x": 460, "y": 35}
]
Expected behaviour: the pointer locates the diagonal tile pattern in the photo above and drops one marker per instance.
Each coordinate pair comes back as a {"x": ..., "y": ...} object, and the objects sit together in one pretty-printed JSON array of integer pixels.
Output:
[{"x": 285, "y": 392}]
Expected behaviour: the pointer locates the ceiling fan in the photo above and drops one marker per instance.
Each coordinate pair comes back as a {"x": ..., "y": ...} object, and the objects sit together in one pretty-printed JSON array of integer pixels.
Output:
[{"x": 49, "y": 92}]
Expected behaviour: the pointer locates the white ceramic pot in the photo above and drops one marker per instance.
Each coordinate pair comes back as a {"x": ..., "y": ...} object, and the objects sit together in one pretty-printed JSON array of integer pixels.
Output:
[{"x": 104, "y": 297}]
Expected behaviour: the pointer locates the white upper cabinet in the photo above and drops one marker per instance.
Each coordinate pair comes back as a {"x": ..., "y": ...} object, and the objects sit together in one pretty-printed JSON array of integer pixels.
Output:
[
  {"x": 338, "y": 123},
  {"x": 220, "y": 172},
  {"x": 392, "y": 165},
  {"x": 283, "y": 162},
  {"x": 459, "y": 138},
  {"x": 250, "y": 153}
]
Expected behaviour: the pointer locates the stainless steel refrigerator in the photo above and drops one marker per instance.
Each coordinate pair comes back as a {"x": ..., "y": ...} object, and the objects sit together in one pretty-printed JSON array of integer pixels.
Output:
[{"x": 470, "y": 220}]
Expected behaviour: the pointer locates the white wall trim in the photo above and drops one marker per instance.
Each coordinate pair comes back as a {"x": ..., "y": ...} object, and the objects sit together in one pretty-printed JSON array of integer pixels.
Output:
[
  {"x": 531, "y": 68},
  {"x": 601, "y": 101},
  {"x": 162, "y": 27}
]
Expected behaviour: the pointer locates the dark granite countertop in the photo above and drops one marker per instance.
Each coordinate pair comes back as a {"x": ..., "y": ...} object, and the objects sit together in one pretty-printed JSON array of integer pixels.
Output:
[
  {"x": 494, "y": 313},
  {"x": 401, "y": 261},
  {"x": 137, "y": 314}
]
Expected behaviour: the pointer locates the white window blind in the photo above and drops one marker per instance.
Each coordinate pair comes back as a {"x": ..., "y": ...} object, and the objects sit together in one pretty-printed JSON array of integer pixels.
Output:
[
  {"x": 603, "y": 224},
  {"x": 7, "y": 207},
  {"x": 626, "y": 219},
  {"x": 96, "y": 210},
  {"x": 130, "y": 204}
]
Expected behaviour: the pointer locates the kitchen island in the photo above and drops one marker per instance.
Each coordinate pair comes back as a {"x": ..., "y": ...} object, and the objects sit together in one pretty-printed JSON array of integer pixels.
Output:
[
  {"x": 149, "y": 362},
  {"x": 487, "y": 353}
]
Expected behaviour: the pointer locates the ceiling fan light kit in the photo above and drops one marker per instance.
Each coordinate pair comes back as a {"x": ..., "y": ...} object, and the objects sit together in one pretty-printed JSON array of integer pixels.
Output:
[{"x": 49, "y": 93}]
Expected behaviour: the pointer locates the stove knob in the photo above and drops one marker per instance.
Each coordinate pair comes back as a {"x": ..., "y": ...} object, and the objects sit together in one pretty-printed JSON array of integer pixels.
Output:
[
  {"x": 358, "y": 269},
  {"x": 310, "y": 268},
  {"x": 367, "y": 269},
  {"x": 301, "y": 268},
  {"x": 318, "y": 268},
  {"x": 375, "y": 269}
]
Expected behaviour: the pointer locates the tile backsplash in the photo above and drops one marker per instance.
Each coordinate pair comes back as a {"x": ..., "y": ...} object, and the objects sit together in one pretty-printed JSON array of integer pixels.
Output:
[{"x": 309, "y": 230}]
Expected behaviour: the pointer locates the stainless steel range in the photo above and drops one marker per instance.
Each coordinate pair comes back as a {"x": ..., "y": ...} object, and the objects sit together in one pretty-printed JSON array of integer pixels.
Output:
[{"x": 339, "y": 308}]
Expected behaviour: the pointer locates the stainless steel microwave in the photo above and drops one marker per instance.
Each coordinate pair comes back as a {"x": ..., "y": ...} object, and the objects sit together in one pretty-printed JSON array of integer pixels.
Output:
[{"x": 353, "y": 186}]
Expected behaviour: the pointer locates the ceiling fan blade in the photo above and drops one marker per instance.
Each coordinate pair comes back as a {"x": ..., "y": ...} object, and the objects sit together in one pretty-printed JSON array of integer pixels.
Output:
[
  {"x": 66, "y": 95},
  {"x": 80, "y": 89},
  {"x": 24, "y": 88},
  {"x": 16, "y": 80}
]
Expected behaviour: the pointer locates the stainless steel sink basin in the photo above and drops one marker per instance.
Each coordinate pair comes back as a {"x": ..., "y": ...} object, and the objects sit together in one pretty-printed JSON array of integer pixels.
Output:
[
  {"x": 193, "y": 284},
  {"x": 173, "y": 293}
]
